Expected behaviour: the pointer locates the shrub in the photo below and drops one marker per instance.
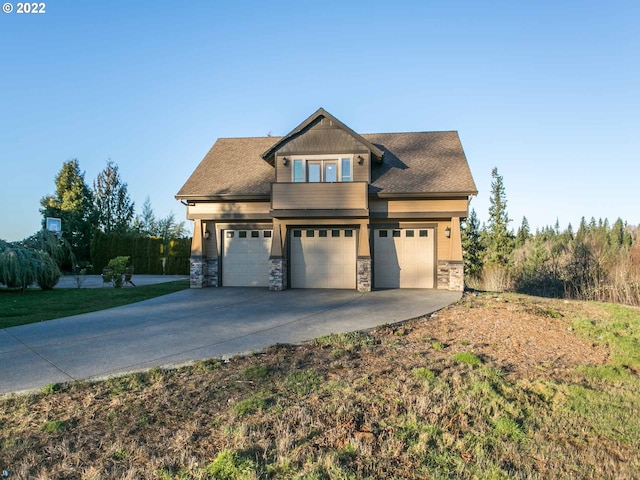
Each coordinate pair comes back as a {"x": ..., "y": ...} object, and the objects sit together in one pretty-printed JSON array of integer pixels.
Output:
[
  {"x": 118, "y": 266},
  {"x": 48, "y": 272},
  {"x": 17, "y": 267}
]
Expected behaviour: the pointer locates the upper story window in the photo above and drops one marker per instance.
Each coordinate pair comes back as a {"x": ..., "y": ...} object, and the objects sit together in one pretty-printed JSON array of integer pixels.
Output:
[{"x": 323, "y": 168}]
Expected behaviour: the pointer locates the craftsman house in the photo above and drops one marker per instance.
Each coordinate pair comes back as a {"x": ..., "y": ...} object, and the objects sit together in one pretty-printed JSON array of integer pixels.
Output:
[{"x": 326, "y": 207}]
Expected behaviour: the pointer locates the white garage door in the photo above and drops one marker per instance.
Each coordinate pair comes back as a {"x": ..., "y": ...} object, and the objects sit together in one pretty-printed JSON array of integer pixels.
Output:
[
  {"x": 404, "y": 258},
  {"x": 323, "y": 258},
  {"x": 245, "y": 258}
]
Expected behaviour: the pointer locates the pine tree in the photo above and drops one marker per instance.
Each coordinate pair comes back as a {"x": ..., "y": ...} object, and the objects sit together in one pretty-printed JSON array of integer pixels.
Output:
[
  {"x": 111, "y": 200},
  {"x": 72, "y": 204},
  {"x": 472, "y": 249},
  {"x": 146, "y": 223},
  {"x": 500, "y": 239},
  {"x": 524, "y": 233}
]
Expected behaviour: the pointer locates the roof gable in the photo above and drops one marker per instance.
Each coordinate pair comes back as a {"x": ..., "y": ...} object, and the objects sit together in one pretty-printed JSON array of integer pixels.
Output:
[{"x": 320, "y": 133}]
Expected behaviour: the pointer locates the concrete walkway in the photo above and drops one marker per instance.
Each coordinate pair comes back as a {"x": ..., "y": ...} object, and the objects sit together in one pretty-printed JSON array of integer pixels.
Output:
[{"x": 191, "y": 325}]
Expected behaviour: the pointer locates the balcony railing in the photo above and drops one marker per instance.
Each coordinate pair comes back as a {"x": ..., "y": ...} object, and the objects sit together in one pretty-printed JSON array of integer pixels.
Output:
[{"x": 340, "y": 198}]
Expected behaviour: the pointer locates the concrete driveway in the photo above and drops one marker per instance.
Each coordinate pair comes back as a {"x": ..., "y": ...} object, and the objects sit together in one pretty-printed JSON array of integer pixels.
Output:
[{"x": 191, "y": 325}]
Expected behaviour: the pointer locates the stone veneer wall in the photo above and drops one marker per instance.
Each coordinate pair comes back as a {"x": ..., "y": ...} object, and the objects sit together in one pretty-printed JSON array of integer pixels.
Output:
[
  {"x": 203, "y": 272},
  {"x": 363, "y": 280},
  {"x": 197, "y": 271},
  {"x": 211, "y": 277},
  {"x": 278, "y": 274},
  {"x": 456, "y": 276},
  {"x": 451, "y": 275}
]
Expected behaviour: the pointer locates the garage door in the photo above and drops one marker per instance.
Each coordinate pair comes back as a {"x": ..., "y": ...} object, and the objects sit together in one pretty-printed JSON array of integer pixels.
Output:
[
  {"x": 404, "y": 258},
  {"x": 323, "y": 258},
  {"x": 245, "y": 258}
]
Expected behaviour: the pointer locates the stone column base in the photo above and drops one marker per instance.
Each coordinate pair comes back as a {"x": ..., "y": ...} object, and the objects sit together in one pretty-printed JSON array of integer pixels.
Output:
[
  {"x": 278, "y": 274},
  {"x": 451, "y": 275},
  {"x": 211, "y": 278},
  {"x": 363, "y": 278},
  {"x": 197, "y": 271}
]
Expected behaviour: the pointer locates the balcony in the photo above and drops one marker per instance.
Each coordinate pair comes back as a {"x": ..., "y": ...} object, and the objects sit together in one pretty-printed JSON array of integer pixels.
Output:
[{"x": 340, "y": 199}]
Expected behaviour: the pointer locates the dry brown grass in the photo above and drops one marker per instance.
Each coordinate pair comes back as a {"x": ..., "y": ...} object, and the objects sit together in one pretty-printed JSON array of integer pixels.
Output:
[{"x": 393, "y": 403}]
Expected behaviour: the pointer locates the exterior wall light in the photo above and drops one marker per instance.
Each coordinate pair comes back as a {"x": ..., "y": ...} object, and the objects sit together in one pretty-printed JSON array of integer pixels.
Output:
[
  {"x": 360, "y": 160},
  {"x": 447, "y": 232},
  {"x": 206, "y": 234},
  {"x": 285, "y": 161}
]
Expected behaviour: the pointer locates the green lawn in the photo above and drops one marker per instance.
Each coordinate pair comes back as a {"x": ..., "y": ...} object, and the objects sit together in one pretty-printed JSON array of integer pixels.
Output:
[{"x": 21, "y": 308}]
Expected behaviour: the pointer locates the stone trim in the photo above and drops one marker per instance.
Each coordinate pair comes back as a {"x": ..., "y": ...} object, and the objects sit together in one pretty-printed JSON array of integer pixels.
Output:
[
  {"x": 363, "y": 275},
  {"x": 278, "y": 273}
]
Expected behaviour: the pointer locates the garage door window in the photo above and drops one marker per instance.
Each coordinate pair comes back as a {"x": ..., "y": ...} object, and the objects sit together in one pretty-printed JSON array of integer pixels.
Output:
[
  {"x": 230, "y": 234},
  {"x": 266, "y": 234},
  {"x": 382, "y": 233},
  {"x": 424, "y": 233},
  {"x": 242, "y": 234}
]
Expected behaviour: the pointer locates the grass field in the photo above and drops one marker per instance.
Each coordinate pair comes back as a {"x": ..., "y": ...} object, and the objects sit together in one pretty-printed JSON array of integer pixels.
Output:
[
  {"x": 35, "y": 305},
  {"x": 468, "y": 393}
]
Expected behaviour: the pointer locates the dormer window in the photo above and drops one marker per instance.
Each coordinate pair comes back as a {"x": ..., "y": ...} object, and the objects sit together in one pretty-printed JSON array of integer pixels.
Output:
[{"x": 323, "y": 168}]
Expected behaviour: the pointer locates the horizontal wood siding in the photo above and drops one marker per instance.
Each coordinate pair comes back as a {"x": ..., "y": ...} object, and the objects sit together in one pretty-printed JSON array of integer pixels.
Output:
[
  {"x": 362, "y": 173},
  {"x": 424, "y": 205},
  {"x": 284, "y": 172},
  {"x": 221, "y": 210},
  {"x": 325, "y": 196}
]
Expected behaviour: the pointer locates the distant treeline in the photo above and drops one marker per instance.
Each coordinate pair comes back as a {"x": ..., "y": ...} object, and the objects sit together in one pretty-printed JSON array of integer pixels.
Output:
[{"x": 598, "y": 261}]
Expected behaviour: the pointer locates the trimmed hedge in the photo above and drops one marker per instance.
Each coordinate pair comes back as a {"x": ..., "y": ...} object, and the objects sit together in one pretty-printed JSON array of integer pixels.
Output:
[{"x": 146, "y": 253}]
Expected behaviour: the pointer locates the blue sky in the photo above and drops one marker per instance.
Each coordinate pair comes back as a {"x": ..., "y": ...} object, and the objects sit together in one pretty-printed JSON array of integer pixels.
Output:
[{"x": 547, "y": 91}]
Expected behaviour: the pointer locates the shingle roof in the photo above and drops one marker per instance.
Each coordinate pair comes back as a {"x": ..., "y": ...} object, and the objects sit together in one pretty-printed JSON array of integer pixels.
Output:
[{"x": 420, "y": 162}]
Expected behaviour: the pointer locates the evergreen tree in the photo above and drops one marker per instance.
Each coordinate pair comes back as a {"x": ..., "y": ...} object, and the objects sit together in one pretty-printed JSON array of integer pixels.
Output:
[
  {"x": 472, "y": 249},
  {"x": 500, "y": 239},
  {"x": 111, "y": 200},
  {"x": 524, "y": 233},
  {"x": 146, "y": 222},
  {"x": 72, "y": 204},
  {"x": 582, "y": 230}
]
